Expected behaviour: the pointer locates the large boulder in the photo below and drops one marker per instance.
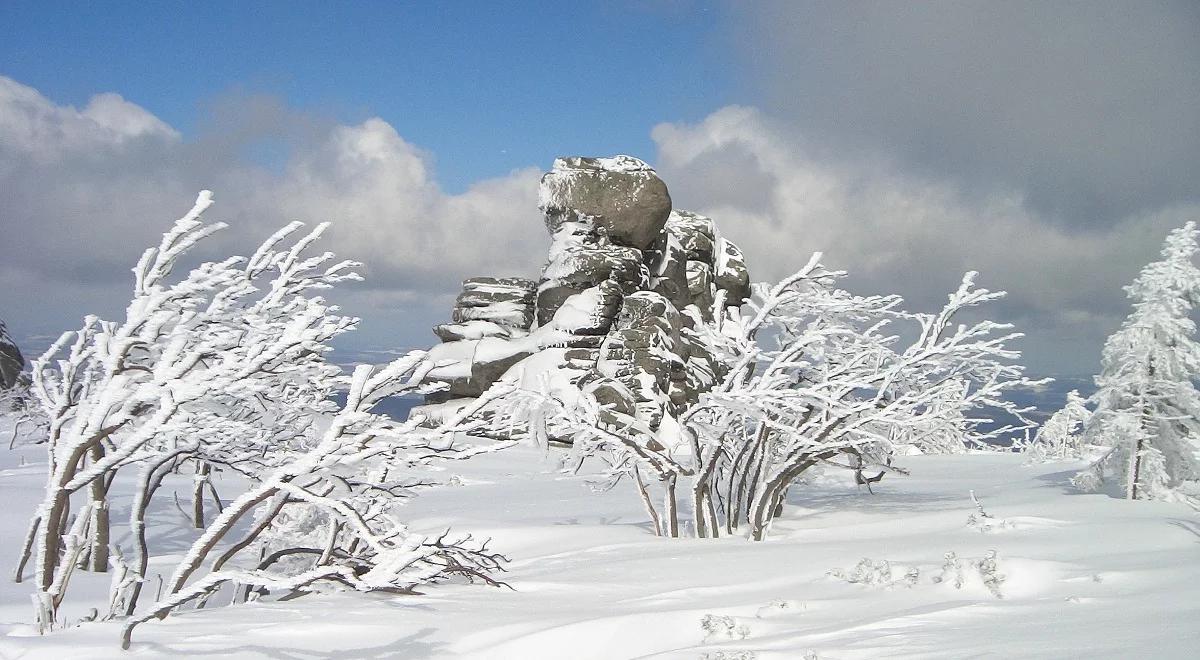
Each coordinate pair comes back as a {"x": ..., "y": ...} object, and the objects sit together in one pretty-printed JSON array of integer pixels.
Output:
[
  {"x": 623, "y": 194},
  {"x": 475, "y": 330},
  {"x": 471, "y": 366},
  {"x": 589, "y": 265},
  {"x": 645, "y": 309},
  {"x": 11, "y": 360},
  {"x": 484, "y": 291},
  {"x": 589, "y": 311}
]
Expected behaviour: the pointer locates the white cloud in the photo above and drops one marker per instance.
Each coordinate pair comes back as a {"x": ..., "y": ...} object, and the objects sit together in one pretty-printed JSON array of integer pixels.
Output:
[
  {"x": 392, "y": 215},
  {"x": 87, "y": 190},
  {"x": 900, "y": 233},
  {"x": 37, "y": 129}
]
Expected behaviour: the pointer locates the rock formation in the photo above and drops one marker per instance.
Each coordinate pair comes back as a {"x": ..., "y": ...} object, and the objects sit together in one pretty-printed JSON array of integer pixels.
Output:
[
  {"x": 625, "y": 281},
  {"x": 11, "y": 361}
]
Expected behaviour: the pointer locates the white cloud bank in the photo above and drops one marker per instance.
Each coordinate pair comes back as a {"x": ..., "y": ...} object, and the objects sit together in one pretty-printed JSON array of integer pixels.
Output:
[
  {"x": 86, "y": 190},
  {"x": 900, "y": 233}
]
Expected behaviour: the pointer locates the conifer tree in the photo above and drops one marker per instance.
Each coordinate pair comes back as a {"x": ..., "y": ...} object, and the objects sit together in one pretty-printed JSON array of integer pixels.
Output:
[{"x": 1147, "y": 408}]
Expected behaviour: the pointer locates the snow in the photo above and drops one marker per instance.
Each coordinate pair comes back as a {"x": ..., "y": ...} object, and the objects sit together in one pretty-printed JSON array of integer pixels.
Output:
[
  {"x": 578, "y": 311},
  {"x": 1085, "y": 575},
  {"x": 558, "y": 182},
  {"x": 547, "y": 371}
]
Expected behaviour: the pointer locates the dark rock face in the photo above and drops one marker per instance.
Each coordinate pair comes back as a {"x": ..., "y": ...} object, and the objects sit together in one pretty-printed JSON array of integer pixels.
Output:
[
  {"x": 11, "y": 360},
  {"x": 623, "y": 194},
  {"x": 621, "y": 269},
  {"x": 669, "y": 273}
]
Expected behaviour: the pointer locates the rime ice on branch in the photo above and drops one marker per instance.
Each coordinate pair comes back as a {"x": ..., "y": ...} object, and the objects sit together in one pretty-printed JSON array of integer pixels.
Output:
[
  {"x": 639, "y": 355},
  {"x": 223, "y": 369},
  {"x": 811, "y": 377}
]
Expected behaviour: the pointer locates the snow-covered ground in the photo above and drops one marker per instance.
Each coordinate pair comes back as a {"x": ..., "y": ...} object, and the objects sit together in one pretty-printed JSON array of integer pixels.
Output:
[{"x": 1084, "y": 576}]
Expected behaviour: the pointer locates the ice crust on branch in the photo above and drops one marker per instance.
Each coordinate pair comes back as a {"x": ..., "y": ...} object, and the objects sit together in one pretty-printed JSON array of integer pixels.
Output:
[
  {"x": 656, "y": 356},
  {"x": 808, "y": 376},
  {"x": 223, "y": 369}
]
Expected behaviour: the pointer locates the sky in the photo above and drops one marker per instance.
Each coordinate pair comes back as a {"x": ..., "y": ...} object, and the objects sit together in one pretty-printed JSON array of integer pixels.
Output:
[{"x": 1050, "y": 146}]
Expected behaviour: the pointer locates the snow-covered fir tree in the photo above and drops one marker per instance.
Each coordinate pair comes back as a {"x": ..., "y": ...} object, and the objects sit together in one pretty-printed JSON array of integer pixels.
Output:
[
  {"x": 1060, "y": 437},
  {"x": 1147, "y": 408}
]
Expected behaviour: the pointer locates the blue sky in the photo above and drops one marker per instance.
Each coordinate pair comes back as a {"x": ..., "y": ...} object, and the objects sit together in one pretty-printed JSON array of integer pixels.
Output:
[
  {"x": 1049, "y": 145},
  {"x": 487, "y": 87}
]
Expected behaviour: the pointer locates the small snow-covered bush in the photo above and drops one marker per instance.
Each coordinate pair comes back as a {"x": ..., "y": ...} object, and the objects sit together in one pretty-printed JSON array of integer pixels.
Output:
[
  {"x": 720, "y": 626},
  {"x": 20, "y": 415},
  {"x": 953, "y": 571},
  {"x": 987, "y": 571},
  {"x": 877, "y": 574},
  {"x": 983, "y": 521},
  {"x": 1060, "y": 438}
]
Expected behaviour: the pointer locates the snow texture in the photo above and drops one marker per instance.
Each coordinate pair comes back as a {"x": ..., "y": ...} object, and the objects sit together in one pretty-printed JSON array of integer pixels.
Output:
[{"x": 1084, "y": 576}]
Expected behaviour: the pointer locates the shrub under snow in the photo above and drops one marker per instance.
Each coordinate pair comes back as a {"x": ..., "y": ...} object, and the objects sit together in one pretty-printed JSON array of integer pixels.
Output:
[
  {"x": 223, "y": 370},
  {"x": 812, "y": 377}
]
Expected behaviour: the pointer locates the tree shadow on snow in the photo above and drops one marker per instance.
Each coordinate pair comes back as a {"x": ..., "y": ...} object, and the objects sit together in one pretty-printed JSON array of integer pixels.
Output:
[
  {"x": 1062, "y": 481},
  {"x": 601, "y": 520},
  {"x": 1190, "y": 526},
  {"x": 815, "y": 502},
  {"x": 412, "y": 646}
]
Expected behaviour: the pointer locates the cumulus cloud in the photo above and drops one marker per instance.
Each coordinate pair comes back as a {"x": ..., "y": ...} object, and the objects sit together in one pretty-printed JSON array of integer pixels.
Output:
[
  {"x": 898, "y": 232},
  {"x": 87, "y": 189},
  {"x": 1086, "y": 106}
]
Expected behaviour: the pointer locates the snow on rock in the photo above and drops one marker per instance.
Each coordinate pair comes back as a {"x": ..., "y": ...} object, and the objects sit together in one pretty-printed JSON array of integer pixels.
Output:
[
  {"x": 507, "y": 301},
  {"x": 731, "y": 273},
  {"x": 11, "y": 360},
  {"x": 448, "y": 332},
  {"x": 622, "y": 193},
  {"x": 621, "y": 269}
]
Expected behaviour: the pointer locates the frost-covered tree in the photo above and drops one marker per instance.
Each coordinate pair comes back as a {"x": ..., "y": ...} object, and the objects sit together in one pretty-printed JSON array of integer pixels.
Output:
[
  {"x": 1060, "y": 438},
  {"x": 19, "y": 410},
  {"x": 812, "y": 377},
  {"x": 1147, "y": 408},
  {"x": 224, "y": 369},
  {"x": 327, "y": 511}
]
